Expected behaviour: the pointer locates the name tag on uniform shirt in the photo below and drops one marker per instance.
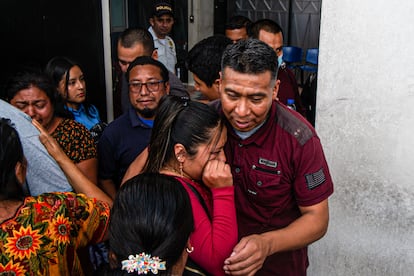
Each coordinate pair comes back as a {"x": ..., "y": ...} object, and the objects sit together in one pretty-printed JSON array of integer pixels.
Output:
[{"x": 268, "y": 163}]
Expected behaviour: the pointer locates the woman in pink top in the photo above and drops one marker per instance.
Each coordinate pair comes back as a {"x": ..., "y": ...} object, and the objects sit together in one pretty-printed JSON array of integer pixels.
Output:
[{"x": 187, "y": 142}]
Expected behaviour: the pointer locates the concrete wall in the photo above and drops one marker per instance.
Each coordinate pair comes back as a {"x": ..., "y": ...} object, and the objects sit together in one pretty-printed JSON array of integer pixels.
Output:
[
  {"x": 203, "y": 25},
  {"x": 365, "y": 119}
]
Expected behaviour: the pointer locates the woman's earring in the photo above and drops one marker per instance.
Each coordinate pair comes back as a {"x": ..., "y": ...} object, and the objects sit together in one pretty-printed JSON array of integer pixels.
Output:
[{"x": 189, "y": 250}]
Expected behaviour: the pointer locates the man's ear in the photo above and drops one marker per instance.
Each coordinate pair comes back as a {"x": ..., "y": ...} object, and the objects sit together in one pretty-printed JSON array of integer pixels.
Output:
[
  {"x": 154, "y": 54},
  {"x": 216, "y": 85},
  {"x": 276, "y": 90},
  {"x": 167, "y": 87},
  {"x": 220, "y": 81},
  {"x": 151, "y": 21}
]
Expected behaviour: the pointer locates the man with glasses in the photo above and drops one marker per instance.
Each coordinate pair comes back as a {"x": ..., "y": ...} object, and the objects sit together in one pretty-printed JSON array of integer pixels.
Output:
[
  {"x": 161, "y": 22},
  {"x": 133, "y": 43},
  {"x": 271, "y": 33},
  {"x": 127, "y": 136}
]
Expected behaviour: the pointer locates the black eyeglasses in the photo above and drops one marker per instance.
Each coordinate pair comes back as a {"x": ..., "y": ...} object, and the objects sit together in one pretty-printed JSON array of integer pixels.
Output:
[{"x": 152, "y": 86}]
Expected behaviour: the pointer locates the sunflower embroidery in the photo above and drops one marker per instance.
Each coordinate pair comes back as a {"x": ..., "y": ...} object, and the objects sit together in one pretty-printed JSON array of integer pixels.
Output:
[
  {"x": 61, "y": 229},
  {"x": 23, "y": 243},
  {"x": 12, "y": 269}
]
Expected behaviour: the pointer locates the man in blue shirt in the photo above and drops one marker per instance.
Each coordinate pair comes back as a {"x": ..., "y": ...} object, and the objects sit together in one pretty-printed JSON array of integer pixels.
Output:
[
  {"x": 133, "y": 43},
  {"x": 127, "y": 136}
]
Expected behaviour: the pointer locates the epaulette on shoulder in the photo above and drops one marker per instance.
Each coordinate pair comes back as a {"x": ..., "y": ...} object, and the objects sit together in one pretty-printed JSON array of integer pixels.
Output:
[{"x": 293, "y": 125}]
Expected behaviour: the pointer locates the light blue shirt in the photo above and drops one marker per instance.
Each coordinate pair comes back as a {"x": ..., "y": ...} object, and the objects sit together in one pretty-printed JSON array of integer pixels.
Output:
[
  {"x": 80, "y": 115},
  {"x": 166, "y": 50}
]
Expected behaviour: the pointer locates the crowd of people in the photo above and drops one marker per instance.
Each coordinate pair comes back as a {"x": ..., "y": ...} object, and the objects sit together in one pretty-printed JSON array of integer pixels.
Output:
[{"x": 232, "y": 182}]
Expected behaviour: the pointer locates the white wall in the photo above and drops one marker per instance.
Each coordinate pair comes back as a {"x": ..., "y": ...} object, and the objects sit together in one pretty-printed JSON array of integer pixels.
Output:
[{"x": 365, "y": 119}]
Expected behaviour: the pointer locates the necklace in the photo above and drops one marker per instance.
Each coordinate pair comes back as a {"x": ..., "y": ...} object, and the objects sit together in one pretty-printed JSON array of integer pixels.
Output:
[
  {"x": 171, "y": 169},
  {"x": 176, "y": 173}
]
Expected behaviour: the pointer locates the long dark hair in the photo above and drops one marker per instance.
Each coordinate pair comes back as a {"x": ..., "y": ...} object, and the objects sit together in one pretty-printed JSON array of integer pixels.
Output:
[
  {"x": 11, "y": 152},
  {"x": 151, "y": 213},
  {"x": 58, "y": 68},
  {"x": 180, "y": 120}
]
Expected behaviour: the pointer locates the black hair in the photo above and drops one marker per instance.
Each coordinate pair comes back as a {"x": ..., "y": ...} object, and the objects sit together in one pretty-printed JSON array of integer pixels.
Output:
[
  {"x": 144, "y": 60},
  {"x": 151, "y": 213},
  {"x": 133, "y": 36},
  {"x": 250, "y": 56},
  {"x": 180, "y": 120},
  {"x": 205, "y": 57},
  {"x": 238, "y": 22},
  {"x": 267, "y": 25},
  {"x": 32, "y": 78},
  {"x": 11, "y": 152},
  {"x": 58, "y": 68}
]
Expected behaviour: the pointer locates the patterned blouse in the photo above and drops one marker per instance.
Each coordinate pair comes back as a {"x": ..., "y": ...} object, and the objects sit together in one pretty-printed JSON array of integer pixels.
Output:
[
  {"x": 75, "y": 140},
  {"x": 44, "y": 235}
]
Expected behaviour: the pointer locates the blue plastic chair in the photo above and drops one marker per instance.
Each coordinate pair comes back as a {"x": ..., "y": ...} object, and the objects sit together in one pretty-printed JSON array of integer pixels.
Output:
[
  {"x": 292, "y": 55},
  {"x": 311, "y": 62}
]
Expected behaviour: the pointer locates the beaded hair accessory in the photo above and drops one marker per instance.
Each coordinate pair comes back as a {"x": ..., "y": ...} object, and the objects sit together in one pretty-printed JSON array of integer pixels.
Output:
[{"x": 143, "y": 263}]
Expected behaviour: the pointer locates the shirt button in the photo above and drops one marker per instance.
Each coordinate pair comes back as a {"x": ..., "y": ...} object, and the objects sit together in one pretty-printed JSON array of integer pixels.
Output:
[
  {"x": 237, "y": 170},
  {"x": 259, "y": 183}
]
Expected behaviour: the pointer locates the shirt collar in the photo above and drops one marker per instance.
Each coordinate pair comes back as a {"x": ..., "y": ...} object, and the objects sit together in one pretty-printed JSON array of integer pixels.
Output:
[
  {"x": 79, "y": 111},
  {"x": 135, "y": 120},
  {"x": 154, "y": 36},
  {"x": 261, "y": 133}
]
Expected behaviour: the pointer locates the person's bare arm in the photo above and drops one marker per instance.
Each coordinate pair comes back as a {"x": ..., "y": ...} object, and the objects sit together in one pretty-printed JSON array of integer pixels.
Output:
[
  {"x": 89, "y": 168},
  {"x": 250, "y": 253},
  {"x": 79, "y": 182},
  {"x": 108, "y": 186},
  {"x": 136, "y": 166}
]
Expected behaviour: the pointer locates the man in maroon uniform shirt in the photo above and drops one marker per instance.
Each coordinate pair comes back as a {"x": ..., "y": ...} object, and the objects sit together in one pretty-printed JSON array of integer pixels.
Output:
[{"x": 282, "y": 181}]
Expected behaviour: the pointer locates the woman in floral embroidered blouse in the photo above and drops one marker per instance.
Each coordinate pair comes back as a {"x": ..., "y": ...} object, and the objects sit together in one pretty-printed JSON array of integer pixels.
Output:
[{"x": 40, "y": 235}]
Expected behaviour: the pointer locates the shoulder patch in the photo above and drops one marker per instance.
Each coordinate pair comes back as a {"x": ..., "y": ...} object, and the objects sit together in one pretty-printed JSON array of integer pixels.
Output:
[
  {"x": 315, "y": 179},
  {"x": 293, "y": 125}
]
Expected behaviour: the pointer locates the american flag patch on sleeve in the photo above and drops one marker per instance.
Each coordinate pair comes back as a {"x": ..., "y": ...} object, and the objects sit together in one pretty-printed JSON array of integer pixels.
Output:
[{"x": 315, "y": 179}]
